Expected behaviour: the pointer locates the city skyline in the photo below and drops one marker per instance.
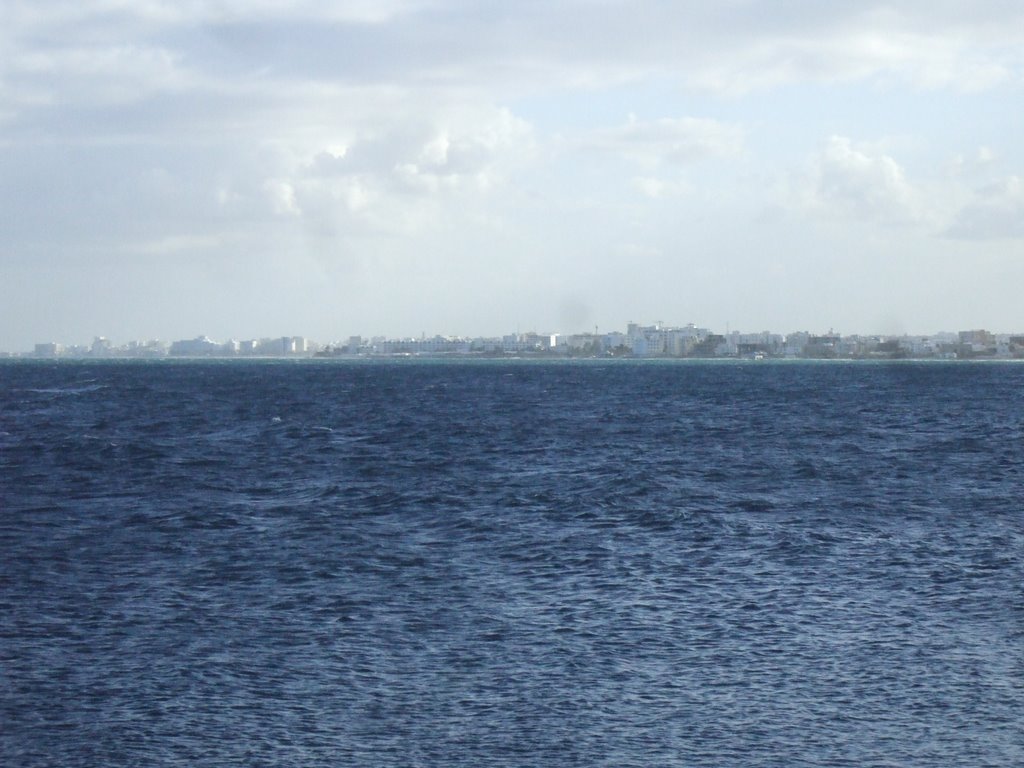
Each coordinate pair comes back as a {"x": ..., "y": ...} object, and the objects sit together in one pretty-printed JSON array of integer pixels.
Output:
[
  {"x": 414, "y": 166},
  {"x": 636, "y": 340}
]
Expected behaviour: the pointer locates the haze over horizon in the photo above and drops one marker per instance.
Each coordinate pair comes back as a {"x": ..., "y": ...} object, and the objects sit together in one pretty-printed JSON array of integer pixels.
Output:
[{"x": 171, "y": 169}]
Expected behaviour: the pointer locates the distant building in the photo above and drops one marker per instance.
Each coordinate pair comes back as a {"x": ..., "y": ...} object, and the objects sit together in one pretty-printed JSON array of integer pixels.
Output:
[
  {"x": 662, "y": 340},
  {"x": 101, "y": 346},
  {"x": 434, "y": 345},
  {"x": 1015, "y": 346},
  {"x": 824, "y": 346},
  {"x": 152, "y": 348},
  {"x": 581, "y": 343},
  {"x": 201, "y": 346},
  {"x": 48, "y": 349},
  {"x": 754, "y": 344},
  {"x": 976, "y": 343},
  {"x": 981, "y": 338}
]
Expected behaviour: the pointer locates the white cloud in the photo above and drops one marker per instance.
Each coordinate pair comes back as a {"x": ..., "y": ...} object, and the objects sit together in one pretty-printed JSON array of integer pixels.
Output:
[
  {"x": 656, "y": 188},
  {"x": 282, "y": 197},
  {"x": 399, "y": 176},
  {"x": 670, "y": 141},
  {"x": 94, "y": 76},
  {"x": 870, "y": 47},
  {"x": 175, "y": 244},
  {"x": 996, "y": 212},
  {"x": 862, "y": 183},
  {"x": 985, "y": 156},
  {"x": 854, "y": 181},
  {"x": 26, "y": 13},
  {"x": 980, "y": 161},
  {"x": 736, "y": 46}
]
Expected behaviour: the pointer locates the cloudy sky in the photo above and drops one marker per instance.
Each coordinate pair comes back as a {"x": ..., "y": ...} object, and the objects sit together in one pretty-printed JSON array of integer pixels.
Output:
[{"x": 246, "y": 168}]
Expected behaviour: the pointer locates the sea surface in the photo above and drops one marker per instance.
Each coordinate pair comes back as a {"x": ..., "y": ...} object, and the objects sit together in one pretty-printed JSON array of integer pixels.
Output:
[{"x": 511, "y": 563}]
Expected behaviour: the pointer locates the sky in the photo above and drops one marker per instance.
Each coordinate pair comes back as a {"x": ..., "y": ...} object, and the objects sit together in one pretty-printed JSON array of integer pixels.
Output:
[{"x": 240, "y": 169}]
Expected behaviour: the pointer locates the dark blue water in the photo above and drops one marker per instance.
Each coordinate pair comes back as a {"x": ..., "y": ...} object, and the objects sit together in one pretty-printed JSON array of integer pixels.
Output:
[{"x": 511, "y": 564}]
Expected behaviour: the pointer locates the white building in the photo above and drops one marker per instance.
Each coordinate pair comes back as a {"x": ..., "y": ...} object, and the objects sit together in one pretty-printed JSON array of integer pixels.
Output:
[{"x": 201, "y": 346}]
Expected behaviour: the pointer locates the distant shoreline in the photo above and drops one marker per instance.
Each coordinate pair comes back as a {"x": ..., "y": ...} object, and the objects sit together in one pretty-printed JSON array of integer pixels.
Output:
[{"x": 489, "y": 359}]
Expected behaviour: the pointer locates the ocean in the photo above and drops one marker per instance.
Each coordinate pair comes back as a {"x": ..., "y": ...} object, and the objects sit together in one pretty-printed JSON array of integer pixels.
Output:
[{"x": 511, "y": 563}]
